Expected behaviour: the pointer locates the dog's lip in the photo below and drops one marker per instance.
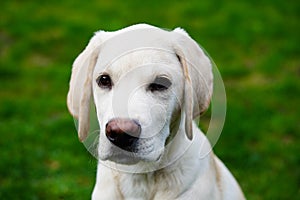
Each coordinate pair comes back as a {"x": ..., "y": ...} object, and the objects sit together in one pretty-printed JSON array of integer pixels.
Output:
[
  {"x": 119, "y": 155},
  {"x": 136, "y": 151}
]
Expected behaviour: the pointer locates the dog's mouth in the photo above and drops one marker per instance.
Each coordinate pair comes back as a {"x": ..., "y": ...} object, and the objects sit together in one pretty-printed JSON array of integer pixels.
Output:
[
  {"x": 125, "y": 142},
  {"x": 143, "y": 149}
]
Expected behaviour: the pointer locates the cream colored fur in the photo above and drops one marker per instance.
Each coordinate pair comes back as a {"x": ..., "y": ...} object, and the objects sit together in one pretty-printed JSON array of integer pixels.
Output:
[{"x": 171, "y": 163}]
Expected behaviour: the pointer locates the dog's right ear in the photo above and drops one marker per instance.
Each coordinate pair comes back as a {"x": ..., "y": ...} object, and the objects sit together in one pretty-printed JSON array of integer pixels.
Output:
[
  {"x": 197, "y": 70},
  {"x": 80, "y": 89}
]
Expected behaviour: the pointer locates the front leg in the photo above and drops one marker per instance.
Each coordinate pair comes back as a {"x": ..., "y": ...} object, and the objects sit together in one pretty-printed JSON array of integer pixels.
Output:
[{"x": 106, "y": 187}]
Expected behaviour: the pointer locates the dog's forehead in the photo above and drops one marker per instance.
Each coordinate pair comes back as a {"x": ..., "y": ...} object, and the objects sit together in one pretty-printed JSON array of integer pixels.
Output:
[
  {"x": 130, "y": 49},
  {"x": 142, "y": 62},
  {"x": 144, "y": 57}
]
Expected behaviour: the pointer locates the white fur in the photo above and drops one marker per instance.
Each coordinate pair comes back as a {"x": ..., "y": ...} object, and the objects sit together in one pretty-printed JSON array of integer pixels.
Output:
[{"x": 180, "y": 169}]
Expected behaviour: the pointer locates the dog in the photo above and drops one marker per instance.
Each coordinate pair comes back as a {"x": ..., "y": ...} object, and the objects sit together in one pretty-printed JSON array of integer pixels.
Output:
[{"x": 148, "y": 85}]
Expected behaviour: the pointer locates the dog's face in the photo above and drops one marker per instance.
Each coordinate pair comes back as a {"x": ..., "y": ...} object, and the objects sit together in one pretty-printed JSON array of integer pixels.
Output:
[
  {"x": 143, "y": 80},
  {"x": 143, "y": 88}
]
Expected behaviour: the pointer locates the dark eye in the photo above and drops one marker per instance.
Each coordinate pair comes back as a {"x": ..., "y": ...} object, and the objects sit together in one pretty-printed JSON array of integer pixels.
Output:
[
  {"x": 160, "y": 84},
  {"x": 104, "y": 81}
]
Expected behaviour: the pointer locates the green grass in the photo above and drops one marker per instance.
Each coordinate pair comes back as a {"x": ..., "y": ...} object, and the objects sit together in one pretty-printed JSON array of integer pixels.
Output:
[{"x": 254, "y": 43}]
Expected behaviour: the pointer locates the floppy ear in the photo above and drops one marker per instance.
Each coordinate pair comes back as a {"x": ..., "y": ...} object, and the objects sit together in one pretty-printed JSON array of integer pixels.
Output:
[
  {"x": 80, "y": 89},
  {"x": 197, "y": 70}
]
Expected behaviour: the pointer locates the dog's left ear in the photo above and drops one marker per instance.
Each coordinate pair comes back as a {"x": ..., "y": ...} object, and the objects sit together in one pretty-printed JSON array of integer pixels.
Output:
[
  {"x": 80, "y": 90},
  {"x": 197, "y": 69}
]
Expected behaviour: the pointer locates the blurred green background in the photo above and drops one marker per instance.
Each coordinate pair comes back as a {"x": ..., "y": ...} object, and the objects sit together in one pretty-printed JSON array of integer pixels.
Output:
[{"x": 254, "y": 43}]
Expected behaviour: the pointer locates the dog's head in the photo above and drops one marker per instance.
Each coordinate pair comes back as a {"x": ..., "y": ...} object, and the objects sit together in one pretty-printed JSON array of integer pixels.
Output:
[{"x": 143, "y": 80}]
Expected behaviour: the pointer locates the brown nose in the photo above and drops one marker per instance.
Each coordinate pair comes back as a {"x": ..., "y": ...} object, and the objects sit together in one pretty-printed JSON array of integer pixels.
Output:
[{"x": 123, "y": 133}]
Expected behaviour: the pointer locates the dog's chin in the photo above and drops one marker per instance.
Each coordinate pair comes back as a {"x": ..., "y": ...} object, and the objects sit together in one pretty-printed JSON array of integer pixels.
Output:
[
  {"x": 128, "y": 158},
  {"x": 125, "y": 160}
]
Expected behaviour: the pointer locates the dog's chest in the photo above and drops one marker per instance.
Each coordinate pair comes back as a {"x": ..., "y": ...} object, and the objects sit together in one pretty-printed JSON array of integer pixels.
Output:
[
  {"x": 149, "y": 186},
  {"x": 135, "y": 185}
]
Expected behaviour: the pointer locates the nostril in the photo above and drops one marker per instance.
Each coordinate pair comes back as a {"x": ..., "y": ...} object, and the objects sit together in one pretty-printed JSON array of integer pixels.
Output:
[
  {"x": 113, "y": 131},
  {"x": 112, "y": 136},
  {"x": 123, "y": 133}
]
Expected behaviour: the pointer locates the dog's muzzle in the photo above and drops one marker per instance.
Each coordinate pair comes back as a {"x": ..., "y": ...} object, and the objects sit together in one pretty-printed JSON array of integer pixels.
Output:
[{"x": 123, "y": 133}]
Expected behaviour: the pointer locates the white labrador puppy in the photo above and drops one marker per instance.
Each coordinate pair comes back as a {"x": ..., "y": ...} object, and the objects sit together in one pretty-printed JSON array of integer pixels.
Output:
[{"x": 148, "y": 85}]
